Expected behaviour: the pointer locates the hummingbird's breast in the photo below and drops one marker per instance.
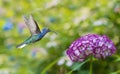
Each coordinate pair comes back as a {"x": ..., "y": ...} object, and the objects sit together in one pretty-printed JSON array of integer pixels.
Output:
[
  {"x": 39, "y": 36},
  {"x": 32, "y": 39},
  {"x": 35, "y": 38}
]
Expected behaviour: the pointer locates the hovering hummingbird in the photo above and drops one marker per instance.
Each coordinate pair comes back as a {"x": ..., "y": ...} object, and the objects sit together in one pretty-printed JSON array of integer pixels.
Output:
[{"x": 36, "y": 34}]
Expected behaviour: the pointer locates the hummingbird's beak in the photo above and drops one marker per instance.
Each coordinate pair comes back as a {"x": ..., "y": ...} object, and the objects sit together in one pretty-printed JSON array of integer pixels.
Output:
[{"x": 52, "y": 31}]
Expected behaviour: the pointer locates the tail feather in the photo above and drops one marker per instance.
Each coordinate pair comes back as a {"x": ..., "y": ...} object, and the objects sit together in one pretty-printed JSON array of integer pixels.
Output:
[{"x": 21, "y": 45}]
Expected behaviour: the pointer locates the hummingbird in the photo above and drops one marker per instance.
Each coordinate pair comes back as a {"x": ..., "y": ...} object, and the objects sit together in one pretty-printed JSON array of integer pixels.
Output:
[{"x": 36, "y": 34}]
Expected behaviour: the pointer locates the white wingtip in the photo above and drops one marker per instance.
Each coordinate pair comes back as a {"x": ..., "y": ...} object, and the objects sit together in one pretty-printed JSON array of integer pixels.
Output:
[{"x": 21, "y": 46}]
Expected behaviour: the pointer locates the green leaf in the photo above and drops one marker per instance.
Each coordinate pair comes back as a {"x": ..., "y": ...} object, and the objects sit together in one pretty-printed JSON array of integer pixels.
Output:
[
  {"x": 49, "y": 66},
  {"x": 78, "y": 66}
]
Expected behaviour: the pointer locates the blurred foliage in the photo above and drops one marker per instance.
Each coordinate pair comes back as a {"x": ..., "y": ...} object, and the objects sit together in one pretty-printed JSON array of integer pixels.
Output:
[{"x": 70, "y": 19}]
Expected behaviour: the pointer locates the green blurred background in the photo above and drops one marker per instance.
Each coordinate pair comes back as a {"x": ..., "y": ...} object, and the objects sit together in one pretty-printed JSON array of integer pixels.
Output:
[{"x": 70, "y": 19}]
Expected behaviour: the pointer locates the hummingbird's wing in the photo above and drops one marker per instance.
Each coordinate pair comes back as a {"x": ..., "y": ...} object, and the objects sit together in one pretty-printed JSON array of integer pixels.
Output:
[{"x": 32, "y": 25}]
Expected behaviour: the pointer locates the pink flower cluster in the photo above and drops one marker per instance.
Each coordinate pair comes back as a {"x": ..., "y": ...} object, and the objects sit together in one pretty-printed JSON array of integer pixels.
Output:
[{"x": 91, "y": 44}]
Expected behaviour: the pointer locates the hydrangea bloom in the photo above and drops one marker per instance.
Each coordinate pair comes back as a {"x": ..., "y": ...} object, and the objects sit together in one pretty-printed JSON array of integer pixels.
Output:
[{"x": 91, "y": 44}]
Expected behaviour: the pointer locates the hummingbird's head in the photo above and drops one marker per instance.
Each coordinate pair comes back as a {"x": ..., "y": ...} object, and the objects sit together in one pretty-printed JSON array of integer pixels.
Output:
[{"x": 47, "y": 30}]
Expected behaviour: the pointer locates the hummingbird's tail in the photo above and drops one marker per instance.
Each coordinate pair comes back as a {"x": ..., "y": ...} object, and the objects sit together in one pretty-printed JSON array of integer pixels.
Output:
[{"x": 21, "y": 45}]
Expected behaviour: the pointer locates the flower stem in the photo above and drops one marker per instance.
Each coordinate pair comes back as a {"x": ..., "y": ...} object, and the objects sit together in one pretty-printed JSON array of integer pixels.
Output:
[{"x": 91, "y": 59}]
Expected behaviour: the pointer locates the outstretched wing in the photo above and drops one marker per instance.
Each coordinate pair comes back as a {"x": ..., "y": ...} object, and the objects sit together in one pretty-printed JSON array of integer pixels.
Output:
[{"x": 32, "y": 25}]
